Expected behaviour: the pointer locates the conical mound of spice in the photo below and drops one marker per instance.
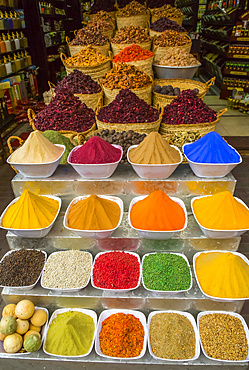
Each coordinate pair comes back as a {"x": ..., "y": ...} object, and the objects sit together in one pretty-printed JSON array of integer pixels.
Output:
[
  {"x": 57, "y": 138},
  {"x": 211, "y": 148},
  {"x": 154, "y": 150},
  {"x": 221, "y": 212},
  {"x": 30, "y": 211},
  {"x": 95, "y": 151},
  {"x": 157, "y": 212},
  {"x": 223, "y": 275},
  {"x": 36, "y": 149},
  {"x": 65, "y": 112},
  {"x": 94, "y": 213}
]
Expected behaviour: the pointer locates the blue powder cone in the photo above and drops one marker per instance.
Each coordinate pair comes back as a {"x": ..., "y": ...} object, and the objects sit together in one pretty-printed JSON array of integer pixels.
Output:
[{"x": 211, "y": 148}]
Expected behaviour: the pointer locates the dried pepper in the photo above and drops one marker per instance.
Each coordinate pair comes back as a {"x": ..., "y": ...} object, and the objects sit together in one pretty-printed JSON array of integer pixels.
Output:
[{"x": 121, "y": 335}]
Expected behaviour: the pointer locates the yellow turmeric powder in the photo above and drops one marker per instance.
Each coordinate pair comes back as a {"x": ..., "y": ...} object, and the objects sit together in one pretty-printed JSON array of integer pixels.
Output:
[
  {"x": 94, "y": 213},
  {"x": 30, "y": 211},
  {"x": 221, "y": 212},
  {"x": 223, "y": 275}
]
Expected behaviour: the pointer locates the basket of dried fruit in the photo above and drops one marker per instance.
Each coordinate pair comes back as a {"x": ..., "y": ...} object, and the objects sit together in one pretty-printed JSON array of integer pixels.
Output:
[
  {"x": 133, "y": 14},
  {"x": 169, "y": 40},
  {"x": 89, "y": 61},
  {"x": 71, "y": 118},
  {"x": 166, "y": 90},
  {"x": 129, "y": 36},
  {"x": 187, "y": 118},
  {"x": 86, "y": 36},
  {"x": 168, "y": 11},
  {"x": 128, "y": 112},
  {"x": 123, "y": 76}
]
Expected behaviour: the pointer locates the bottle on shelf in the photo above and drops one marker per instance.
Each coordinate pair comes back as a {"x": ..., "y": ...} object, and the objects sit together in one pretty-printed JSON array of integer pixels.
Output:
[
  {"x": 16, "y": 40},
  {"x": 7, "y": 65}
]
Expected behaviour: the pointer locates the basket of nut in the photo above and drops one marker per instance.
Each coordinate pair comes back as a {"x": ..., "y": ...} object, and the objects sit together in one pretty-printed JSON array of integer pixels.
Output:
[
  {"x": 167, "y": 41},
  {"x": 166, "y": 90},
  {"x": 129, "y": 36},
  {"x": 168, "y": 11},
  {"x": 133, "y": 14},
  {"x": 187, "y": 118},
  {"x": 89, "y": 61},
  {"x": 123, "y": 76}
]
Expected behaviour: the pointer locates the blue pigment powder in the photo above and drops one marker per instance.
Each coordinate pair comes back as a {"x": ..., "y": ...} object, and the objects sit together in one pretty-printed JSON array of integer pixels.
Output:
[{"x": 211, "y": 148}]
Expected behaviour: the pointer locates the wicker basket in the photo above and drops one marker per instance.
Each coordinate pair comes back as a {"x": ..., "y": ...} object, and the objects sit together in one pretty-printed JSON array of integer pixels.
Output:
[
  {"x": 139, "y": 20},
  {"x": 160, "y": 51},
  {"x": 155, "y": 33},
  {"x": 144, "y": 128},
  {"x": 74, "y": 49},
  {"x": 160, "y": 100},
  {"x": 96, "y": 72},
  {"x": 143, "y": 93},
  {"x": 179, "y": 135},
  {"x": 80, "y": 135},
  {"x": 116, "y": 48},
  {"x": 144, "y": 65},
  {"x": 178, "y": 20}
]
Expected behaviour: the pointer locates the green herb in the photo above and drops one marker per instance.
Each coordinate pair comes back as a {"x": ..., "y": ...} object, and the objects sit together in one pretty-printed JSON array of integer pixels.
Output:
[
  {"x": 166, "y": 272},
  {"x": 57, "y": 138}
]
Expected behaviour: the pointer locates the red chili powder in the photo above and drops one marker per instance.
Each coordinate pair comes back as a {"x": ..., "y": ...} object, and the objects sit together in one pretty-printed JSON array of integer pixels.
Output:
[
  {"x": 95, "y": 151},
  {"x": 116, "y": 270}
]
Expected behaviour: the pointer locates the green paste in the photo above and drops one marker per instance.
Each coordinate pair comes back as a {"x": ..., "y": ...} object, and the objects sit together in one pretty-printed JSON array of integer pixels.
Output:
[
  {"x": 57, "y": 138},
  {"x": 70, "y": 334}
]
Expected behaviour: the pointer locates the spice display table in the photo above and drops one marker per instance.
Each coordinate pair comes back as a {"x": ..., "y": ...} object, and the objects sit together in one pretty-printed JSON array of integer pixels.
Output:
[{"x": 124, "y": 183}]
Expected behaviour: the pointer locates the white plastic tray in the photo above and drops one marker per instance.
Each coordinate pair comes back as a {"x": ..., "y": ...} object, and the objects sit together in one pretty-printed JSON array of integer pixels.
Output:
[
  {"x": 154, "y": 171},
  {"x": 168, "y": 291},
  {"x": 107, "y": 313},
  {"x": 117, "y": 290},
  {"x": 97, "y": 234},
  {"x": 151, "y": 234},
  {"x": 95, "y": 171},
  {"x": 209, "y": 170},
  {"x": 27, "y": 287},
  {"x": 218, "y": 234},
  {"x": 66, "y": 289},
  {"x": 31, "y": 233},
  {"x": 193, "y": 323},
  {"x": 90, "y": 313},
  {"x": 218, "y": 299},
  {"x": 37, "y": 170},
  {"x": 204, "y": 313},
  {"x": 42, "y": 336}
]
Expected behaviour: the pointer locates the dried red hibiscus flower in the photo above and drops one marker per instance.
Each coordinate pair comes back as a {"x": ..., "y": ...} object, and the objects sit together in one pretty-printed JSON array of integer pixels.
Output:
[
  {"x": 187, "y": 108},
  {"x": 65, "y": 112},
  {"x": 128, "y": 108}
]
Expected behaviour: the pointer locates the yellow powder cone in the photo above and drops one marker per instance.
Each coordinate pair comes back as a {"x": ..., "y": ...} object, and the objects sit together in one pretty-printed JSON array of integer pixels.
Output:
[
  {"x": 94, "y": 213},
  {"x": 36, "y": 149},
  {"x": 31, "y": 211},
  {"x": 221, "y": 212},
  {"x": 154, "y": 150},
  {"x": 223, "y": 275}
]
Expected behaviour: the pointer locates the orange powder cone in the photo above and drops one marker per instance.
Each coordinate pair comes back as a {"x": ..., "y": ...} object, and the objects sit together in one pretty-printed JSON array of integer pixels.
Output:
[
  {"x": 157, "y": 212},
  {"x": 221, "y": 212}
]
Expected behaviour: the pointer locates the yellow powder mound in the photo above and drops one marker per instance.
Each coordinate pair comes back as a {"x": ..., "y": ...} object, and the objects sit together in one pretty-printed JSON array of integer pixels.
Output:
[
  {"x": 221, "y": 212},
  {"x": 94, "y": 213},
  {"x": 36, "y": 149},
  {"x": 31, "y": 211},
  {"x": 154, "y": 150},
  {"x": 223, "y": 275}
]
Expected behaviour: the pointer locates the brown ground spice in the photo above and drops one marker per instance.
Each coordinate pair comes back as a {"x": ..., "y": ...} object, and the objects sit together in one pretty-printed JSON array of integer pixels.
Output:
[
  {"x": 154, "y": 150},
  {"x": 223, "y": 337},
  {"x": 172, "y": 336}
]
